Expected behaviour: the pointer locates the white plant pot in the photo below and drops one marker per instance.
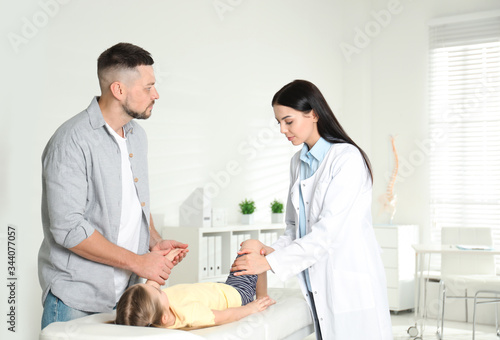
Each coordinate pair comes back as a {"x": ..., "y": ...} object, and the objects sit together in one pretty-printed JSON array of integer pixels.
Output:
[
  {"x": 247, "y": 219},
  {"x": 277, "y": 217}
]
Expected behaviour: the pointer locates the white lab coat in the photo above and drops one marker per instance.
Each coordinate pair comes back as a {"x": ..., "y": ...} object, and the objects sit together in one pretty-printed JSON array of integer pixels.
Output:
[{"x": 340, "y": 250}]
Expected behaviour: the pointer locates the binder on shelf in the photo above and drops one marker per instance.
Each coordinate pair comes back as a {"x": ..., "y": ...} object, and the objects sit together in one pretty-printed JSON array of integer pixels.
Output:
[
  {"x": 274, "y": 237},
  {"x": 204, "y": 257},
  {"x": 234, "y": 245},
  {"x": 211, "y": 256},
  {"x": 267, "y": 238},
  {"x": 218, "y": 255},
  {"x": 241, "y": 238},
  {"x": 262, "y": 237}
]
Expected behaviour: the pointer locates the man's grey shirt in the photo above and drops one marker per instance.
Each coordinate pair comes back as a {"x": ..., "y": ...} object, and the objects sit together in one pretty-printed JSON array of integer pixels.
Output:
[{"x": 81, "y": 193}]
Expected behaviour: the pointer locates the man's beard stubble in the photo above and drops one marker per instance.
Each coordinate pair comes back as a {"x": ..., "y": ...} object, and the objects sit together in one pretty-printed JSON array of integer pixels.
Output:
[{"x": 136, "y": 114}]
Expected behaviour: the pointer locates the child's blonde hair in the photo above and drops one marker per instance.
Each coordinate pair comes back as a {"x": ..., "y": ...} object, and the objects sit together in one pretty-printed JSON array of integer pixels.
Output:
[{"x": 137, "y": 308}]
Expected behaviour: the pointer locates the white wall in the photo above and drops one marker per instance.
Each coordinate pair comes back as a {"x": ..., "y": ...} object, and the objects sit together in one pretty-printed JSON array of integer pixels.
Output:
[{"x": 216, "y": 76}]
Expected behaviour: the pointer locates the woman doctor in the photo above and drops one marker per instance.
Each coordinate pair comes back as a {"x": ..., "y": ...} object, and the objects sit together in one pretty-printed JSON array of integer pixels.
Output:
[{"x": 329, "y": 241}]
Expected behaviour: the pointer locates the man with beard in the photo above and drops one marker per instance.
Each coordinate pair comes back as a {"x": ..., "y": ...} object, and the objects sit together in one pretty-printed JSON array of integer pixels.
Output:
[{"x": 99, "y": 237}]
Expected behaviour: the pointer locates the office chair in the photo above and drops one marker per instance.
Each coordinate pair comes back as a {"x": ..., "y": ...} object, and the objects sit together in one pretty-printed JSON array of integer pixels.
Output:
[
  {"x": 492, "y": 298},
  {"x": 461, "y": 272}
]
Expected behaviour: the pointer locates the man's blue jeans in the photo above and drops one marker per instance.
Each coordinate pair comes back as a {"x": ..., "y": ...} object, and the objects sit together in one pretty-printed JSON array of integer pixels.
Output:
[{"x": 55, "y": 310}]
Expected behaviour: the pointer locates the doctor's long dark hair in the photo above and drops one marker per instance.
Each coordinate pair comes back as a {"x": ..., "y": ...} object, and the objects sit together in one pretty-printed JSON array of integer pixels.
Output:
[{"x": 304, "y": 96}]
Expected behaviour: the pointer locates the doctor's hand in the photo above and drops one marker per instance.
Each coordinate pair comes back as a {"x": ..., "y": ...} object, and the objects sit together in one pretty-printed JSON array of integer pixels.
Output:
[
  {"x": 171, "y": 245},
  {"x": 250, "y": 263}
]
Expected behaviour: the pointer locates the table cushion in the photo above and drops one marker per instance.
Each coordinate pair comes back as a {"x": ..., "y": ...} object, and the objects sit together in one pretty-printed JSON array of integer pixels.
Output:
[{"x": 288, "y": 315}]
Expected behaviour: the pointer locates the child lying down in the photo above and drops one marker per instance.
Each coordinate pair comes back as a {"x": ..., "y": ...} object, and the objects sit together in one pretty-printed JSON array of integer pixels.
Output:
[{"x": 194, "y": 305}]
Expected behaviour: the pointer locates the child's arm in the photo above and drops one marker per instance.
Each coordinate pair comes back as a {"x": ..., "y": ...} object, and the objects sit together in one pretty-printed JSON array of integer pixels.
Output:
[{"x": 237, "y": 313}]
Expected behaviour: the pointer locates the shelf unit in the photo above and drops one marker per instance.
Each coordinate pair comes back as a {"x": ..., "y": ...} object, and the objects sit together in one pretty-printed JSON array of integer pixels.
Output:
[
  {"x": 193, "y": 267},
  {"x": 399, "y": 263}
]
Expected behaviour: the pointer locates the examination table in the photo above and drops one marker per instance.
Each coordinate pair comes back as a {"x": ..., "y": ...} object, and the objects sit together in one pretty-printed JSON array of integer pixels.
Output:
[{"x": 289, "y": 319}]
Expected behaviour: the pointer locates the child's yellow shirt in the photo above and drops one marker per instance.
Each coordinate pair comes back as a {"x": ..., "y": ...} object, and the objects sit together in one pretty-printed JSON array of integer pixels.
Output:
[{"x": 192, "y": 303}]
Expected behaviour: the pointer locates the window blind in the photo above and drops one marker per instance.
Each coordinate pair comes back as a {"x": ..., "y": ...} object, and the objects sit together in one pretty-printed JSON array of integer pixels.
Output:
[{"x": 464, "y": 108}]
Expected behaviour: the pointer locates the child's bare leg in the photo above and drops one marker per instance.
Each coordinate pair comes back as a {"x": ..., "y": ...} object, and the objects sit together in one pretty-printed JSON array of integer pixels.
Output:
[
  {"x": 261, "y": 288},
  {"x": 252, "y": 244}
]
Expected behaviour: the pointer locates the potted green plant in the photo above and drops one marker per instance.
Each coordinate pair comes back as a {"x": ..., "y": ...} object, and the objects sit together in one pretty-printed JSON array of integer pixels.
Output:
[
  {"x": 276, "y": 211},
  {"x": 247, "y": 207}
]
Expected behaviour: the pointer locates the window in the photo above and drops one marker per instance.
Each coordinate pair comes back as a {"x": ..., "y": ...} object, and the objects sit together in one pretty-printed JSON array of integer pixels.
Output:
[{"x": 464, "y": 106}]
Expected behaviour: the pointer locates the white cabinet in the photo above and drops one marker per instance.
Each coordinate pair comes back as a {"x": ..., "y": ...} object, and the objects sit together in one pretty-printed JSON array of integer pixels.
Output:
[
  {"x": 213, "y": 250},
  {"x": 399, "y": 263}
]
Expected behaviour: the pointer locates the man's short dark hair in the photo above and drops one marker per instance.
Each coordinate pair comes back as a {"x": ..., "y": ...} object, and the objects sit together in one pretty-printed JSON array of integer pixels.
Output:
[{"x": 123, "y": 56}]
